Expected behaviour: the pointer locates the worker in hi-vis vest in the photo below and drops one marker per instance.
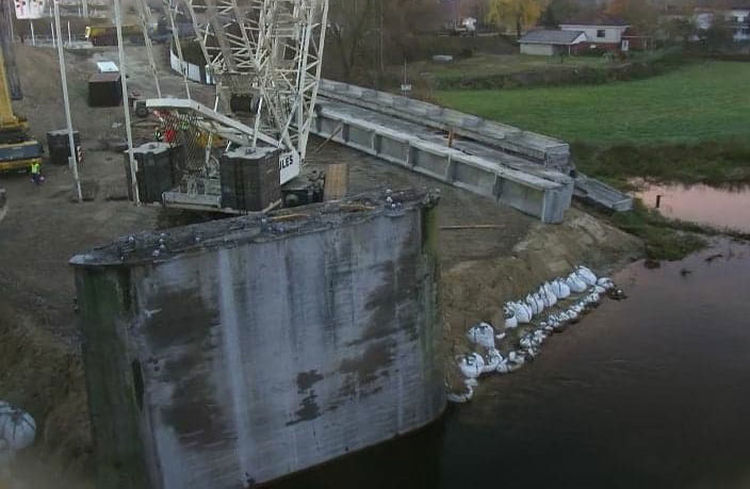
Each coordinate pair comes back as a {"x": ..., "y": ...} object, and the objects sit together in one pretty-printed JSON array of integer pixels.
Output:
[{"x": 36, "y": 173}]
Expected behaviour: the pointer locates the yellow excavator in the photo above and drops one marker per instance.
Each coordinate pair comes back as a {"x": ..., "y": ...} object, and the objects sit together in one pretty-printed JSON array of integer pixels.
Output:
[{"x": 17, "y": 150}]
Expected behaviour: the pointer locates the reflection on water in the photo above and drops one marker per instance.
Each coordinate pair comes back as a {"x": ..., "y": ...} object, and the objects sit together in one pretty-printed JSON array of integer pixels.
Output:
[
  {"x": 728, "y": 207},
  {"x": 650, "y": 392}
]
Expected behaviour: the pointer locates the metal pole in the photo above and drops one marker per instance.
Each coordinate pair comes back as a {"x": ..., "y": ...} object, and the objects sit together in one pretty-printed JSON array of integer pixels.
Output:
[
  {"x": 144, "y": 14},
  {"x": 210, "y": 143},
  {"x": 381, "y": 45},
  {"x": 71, "y": 140},
  {"x": 52, "y": 31},
  {"x": 125, "y": 103},
  {"x": 33, "y": 37},
  {"x": 70, "y": 40},
  {"x": 176, "y": 44},
  {"x": 85, "y": 9}
]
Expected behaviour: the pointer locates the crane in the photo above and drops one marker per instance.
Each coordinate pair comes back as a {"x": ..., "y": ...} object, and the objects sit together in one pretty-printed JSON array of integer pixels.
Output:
[
  {"x": 265, "y": 52},
  {"x": 17, "y": 149}
]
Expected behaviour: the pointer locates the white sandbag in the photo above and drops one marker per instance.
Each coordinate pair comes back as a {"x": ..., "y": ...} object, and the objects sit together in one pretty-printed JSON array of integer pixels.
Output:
[
  {"x": 550, "y": 299},
  {"x": 463, "y": 397},
  {"x": 586, "y": 275},
  {"x": 17, "y": 427},
  {"x": 471, "y": 365},
  {"x": 560, "y": 289},
  {"x": 493, "y": 359},
  {"x": 482, "y": 334},
  {"x": 533, "y": 304},
  {"x": 522, "y": 311},
  {"x": 575, "y": 283},
  {"x": 606, "y": 283}
]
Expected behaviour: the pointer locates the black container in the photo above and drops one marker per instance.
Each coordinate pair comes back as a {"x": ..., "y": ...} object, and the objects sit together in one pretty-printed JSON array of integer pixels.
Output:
[
  {"x": 250, "y": 179},
  {"x": 105, "y": 90},
  {"x": 59, "y": 146},
  {"x": 155, "y": 172}
]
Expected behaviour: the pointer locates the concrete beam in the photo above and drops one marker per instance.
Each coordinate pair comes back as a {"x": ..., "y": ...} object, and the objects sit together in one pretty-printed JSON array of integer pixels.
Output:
[
  {"x": 545, "y": 150},
  {"x": 530, "y": 188}
]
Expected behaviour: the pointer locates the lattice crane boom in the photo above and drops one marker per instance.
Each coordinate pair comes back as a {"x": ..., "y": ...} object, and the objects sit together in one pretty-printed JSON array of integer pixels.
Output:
[
  {"x": 270, "y": 50},
  {"x": 266, "y": 52}
]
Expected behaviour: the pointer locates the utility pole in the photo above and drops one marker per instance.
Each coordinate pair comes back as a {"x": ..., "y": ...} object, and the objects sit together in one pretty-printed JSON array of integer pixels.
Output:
[
  {"x": 381, "y": 42},
  {"x": 125, "y": 103},
  {"x": 73, "y": 159}
]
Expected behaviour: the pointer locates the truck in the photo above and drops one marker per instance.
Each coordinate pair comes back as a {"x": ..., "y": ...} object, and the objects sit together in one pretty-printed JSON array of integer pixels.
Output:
[{"x": 106, "y": 35}]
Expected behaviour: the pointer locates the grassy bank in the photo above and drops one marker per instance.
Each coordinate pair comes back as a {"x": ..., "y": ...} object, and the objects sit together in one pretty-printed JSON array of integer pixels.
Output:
[
  {"x": 717, "y": 163},
  {"x": 699, "y": 102},
  {"x": 664, "y": 239},
  {"x": 690, "y": 126}
]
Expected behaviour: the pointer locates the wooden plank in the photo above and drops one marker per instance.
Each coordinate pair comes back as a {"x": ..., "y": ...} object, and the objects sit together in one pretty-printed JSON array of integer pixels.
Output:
[
  {"x": 472, "y": 226},
  {"x": 337, "y": 181}
]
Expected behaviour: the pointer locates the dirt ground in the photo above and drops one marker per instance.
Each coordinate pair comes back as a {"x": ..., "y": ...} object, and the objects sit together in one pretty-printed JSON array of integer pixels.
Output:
[{"x": 40, "y": 365}]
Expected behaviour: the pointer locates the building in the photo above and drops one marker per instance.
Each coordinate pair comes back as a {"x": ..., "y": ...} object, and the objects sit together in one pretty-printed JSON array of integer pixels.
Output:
[
  {"x": 736, "y": 18},
  {"x": 602, "y": 32},
  {"x": 551, "y": 42}
]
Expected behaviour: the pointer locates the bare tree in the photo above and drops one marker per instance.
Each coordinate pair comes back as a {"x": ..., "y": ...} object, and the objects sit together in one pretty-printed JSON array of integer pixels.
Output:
[
  {"x": 350, "y": 23},
  {"x": 367, "y": 31}
]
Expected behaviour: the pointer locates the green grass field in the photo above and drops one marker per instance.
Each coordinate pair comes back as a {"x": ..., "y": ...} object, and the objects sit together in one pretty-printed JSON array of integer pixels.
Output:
[{"x": 699, "y": 102}]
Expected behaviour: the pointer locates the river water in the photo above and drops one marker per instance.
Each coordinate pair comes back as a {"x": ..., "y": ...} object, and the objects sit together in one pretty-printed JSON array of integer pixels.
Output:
[
  {"x": 649, "y": 392},
  {"x": 719, "y": 207}
]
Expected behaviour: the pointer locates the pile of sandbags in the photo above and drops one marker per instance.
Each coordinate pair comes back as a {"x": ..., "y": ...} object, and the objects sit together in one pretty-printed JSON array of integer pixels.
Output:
[{"x": 567, "y": 298}]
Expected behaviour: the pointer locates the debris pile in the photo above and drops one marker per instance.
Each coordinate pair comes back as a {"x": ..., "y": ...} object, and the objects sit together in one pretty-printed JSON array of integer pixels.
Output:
[{"x": 566, "y": 299}]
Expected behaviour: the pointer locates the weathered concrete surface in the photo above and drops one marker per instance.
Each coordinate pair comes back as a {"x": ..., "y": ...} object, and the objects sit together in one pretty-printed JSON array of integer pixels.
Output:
[{"x": 248, "y": 348}]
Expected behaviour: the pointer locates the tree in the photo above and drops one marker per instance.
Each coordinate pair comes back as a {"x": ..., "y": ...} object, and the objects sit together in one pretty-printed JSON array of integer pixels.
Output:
[
  {"x": 718, "y": 36},
  {"x": 367, "y": 32},
  {"x": 679, "y": 30},
  {"x": 641, "y": 14},
  {"x": 403, "y": 19},
  {"x": 522, "y": 13},
  {"x": 558, "y": 11},
  {"x": 350, "y": 24}
]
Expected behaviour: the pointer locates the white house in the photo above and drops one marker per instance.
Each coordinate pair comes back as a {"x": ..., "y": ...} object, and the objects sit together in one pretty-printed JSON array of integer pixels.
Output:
[
  {"x": 606, "y": 32},
  {"x": 703, "y": 18},
  {"x": 550, "y": 42},
  {"x": 739, "y": 14},
  {"x": 737, "y": 18}
]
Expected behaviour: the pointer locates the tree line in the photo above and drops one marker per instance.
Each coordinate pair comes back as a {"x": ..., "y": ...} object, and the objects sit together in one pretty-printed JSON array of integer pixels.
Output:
[{"x": 374, "y": 33}]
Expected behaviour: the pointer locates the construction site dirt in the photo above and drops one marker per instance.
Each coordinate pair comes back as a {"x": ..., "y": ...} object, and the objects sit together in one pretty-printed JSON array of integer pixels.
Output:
[{"x": 488, "y": 253}]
